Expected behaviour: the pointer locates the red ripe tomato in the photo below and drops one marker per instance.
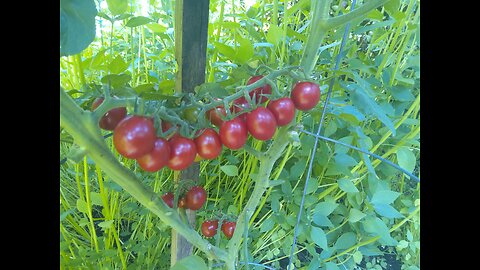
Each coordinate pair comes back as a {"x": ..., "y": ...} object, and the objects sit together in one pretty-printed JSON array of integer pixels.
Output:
[
  {"x": 182, "y": 202},
  {"x": 168, "y": 199},
  {"x": 228, "y": 228},
  {"x": 213, "y": 115},
  {"x": 111, "y": 118},
  {"x": 233, "y": 133},
  {"x": 195, "y": 198},
  {"x": 134, "y": 136},
  {"x": 259, "y": 91},
  {"x": 261, "y": 123},
  {"x": 283, "y": 109},
  {"x": 182, "y": 153},
  {"x": 157, "y": 158},
  {"x": 305, "y": 95},
  {"x": 208, "y": 144},
  {"x": 209, "y": 228},
  {"x": 240, "y": 104}
]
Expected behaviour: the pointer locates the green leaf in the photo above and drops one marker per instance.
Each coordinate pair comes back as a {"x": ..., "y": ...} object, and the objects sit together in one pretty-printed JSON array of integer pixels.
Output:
[
  {"x": 65, "y": 214},
  {"x": 347, "y": 185},
  {"x": 190, "y": 262},
  {"x": 318, "y": 236},
  {"x": 325, "y": 208},
  {"x": 137, "y": 21},
  {"x": 82, "y": 206},
  {"x": 392, "y": 6},
  {"x": 346, "y": 240},
  {"x": 118, "y": 65},
  {"x": 116, "y": 80},
  {"x": 267, "y": 225},
  {"x": 145, "y": 88},
  {"x": 77, "y": 25},
  {"x": 387, "y": 211},
  {"x": 402, "y": 93},
  {"x": 106, "y": 224},
  {"x": 156, "y": 28},
  {"x": 312, "y": 185},
  {"x": 244, "y": 51},
  {"x": 230, "y": 170},
  {"x": 95, "y": 198},
  {"x": 369, "y": 106},
  {"x": 226, "y": 50},
  {"x": 117, "y": 7},
  {"x": 322, "y": 220},
  {"x": 275, "y": 35},
  {"x": 384, "y": 196},
  {"x": 357, "y": 257},
  {"x": 355, "y": 215},
  {"x": 340, "y": 149},
  {"x": 406, "y": 159},
  {"x": 375, "y": 226},
  {"x": 213, "y": 89},
  {"x": 345, "y": 160}
]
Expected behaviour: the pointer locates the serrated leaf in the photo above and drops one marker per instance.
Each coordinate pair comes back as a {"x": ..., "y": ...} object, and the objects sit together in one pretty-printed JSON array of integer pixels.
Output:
[
  {"x": 105, "y": 224},
  {"x": 275, "y": 35},
  {"x": 117, "y": 7},
  {"x": 318, "y": 236},
  {"x": 77, "y": 25},
  {"x": 346, "y": 240},
  {"x": 145, "y": 88},
  {"x": 213, "y": 89},
  {"x": 190, "y": 262},
  {"x": 406, "y": 159},
  {"x": 230, "y": 170},
  {"x": 368, "y": 106},
  {"x": 355, "y": 215},
  {"x": 384, "y": 196},
  {"x": 137, "y": 21},
  {"x": 118, "y": 65},
  {"x": 347, "y": 186},
  {"x": 96, "y": 198},
  {"x": 387, "y": 211},
  {"x": 116, "y": 80},
  {"x": 82, "y": 206}
]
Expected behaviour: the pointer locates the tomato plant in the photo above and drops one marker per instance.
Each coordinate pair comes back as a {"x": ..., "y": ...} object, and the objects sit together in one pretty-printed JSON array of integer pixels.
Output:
[
  {"x": 134, "y": 136},
  {"x": 228, "y": 228},
  {"x": 259, "y": 92},
  {"x": 157, "y": 158},
  {"x": 208, "y": 144},
  {"x": 239, "y": 105},
  {"x": 182, "y": 153},
  {"x": 305, "y": 95},
  {"x": 168, "y": 198},
  {"x": 234, "y": 133},
  {"x": 214, "y": 115},
  {"x": 261, "y": 123},
  {"x": 283, "y": 109},
  {"x": 209, "y": 227},
  {"x": 195, "y": 198},
  {"x": 111, "y": 118}
]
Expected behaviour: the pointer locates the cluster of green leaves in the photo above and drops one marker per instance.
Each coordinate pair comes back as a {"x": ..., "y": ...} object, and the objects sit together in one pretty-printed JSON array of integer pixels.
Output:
[{"x": 351, "y": 199}]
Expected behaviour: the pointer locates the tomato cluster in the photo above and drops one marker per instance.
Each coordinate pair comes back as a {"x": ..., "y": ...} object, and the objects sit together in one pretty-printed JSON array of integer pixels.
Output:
[
  {"x": 193, "y": 199},
  {"x": 209, "y": 228}
]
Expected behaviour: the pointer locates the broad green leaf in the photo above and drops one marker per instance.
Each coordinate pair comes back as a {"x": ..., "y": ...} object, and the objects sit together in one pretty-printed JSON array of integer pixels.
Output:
[
  {"x": 116, "y": 80},
  {"x": 357, "y": 257},
  {"x": 267, "y": 225},
  {"x": 230, "y": 170},
  {"x": 312, "y": 185},
  {"x": 376, "y": 227},
  {"x": 137, "y": 21},
  {"x": 77, "y": 25},
  {"x": 118, "y": 65},
  {"x": 325, "y": 208},
  {"x": 297, "y": 169},
  {"x": 96, "y": 198},
  {"x": 190, "y": 262},
  {"x": 347, "y": 185},
  {"x": 275, "y": 35},
  {"x": 82, "y": 206},
  {"x": 345, "y": 160},
  {"x": 355, "y": 215},
  {"x": 384, "y": 196},
  {"x": 387, "y": 211},
  {"x": 392, "y": 6},
  {"x": 226, "y": 50},
  {"x": 244, "y": 51},
  {"x": 322, "y": 220},
  {"x": 318, "y": 236},
  {"x": 331, "y": 266},
  {"x": 375, "y": 15},
  {"x": 145, "y": 88},
  {"x": 366, "y": 104},
  {"x": 65, "y": 214},
  {"x": 156, "y": 28},
  {"x": 366, "y": 143},
  {"x": 106, "y": 224},
  {"x": 340, "y": 149},
  {"x": 117, "y": 7},
  {"x": 345, "y": 241},
  {"x": 406, "y": 159}
]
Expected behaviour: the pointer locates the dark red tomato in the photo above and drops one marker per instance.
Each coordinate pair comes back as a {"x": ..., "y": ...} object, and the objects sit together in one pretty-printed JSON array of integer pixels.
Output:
[
  {"x": 157, "y": 158},
  {"x": 259, "y": 91},
  {"x": 195, "y": 198},
  {"x": 167, "y": 126},
  {"x": 228, "y": 228},
  {"x": 111, "y": 118},
  {"x": 233, "y": 133},
  {"x": 283, "y": 109},
  {"x": 213, "y": 115},
  {"x": 182, "y": 202},
  {"x": 305, "y": 95},
  {"x": 240, "y": 104},
  {"x": 168, "y": 199},
  {"x": 208, "y": 144},
  {"x": 261, "y": 123},
  {"x": 182, "y": 153},
  {"x": 209, "y": 228},
  {"x": 134, "y": 136}
]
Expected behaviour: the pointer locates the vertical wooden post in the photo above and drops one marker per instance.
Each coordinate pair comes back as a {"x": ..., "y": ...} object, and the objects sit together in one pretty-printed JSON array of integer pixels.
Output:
[{"x": 191, "y": 34}]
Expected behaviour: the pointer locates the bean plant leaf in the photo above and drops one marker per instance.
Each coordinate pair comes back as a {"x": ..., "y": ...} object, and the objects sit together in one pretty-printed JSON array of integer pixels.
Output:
[
  {"x": 230, "y": 170},
  {"x": 387, "y": 211},
  {"x": 345, "y": 241},
  {"x": 331, "y": 266},
  {"x": 319, "y": 237},
  {"x": 355, "y": 215},
  {"x": 347, "y": 185},
  {"x": 117, "y": 7},
  {"x": 375, "y": 226},
  {"x": 406, "y": 159},
  {"x": 384, "y": 196},
  {"x": 275, "y": 35},
  {"x": 190, "y": 262},
  {"x": 77, "y": 25},
  {"x": 137, "y": 21},
  {"x": 82, "y": 206}
]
